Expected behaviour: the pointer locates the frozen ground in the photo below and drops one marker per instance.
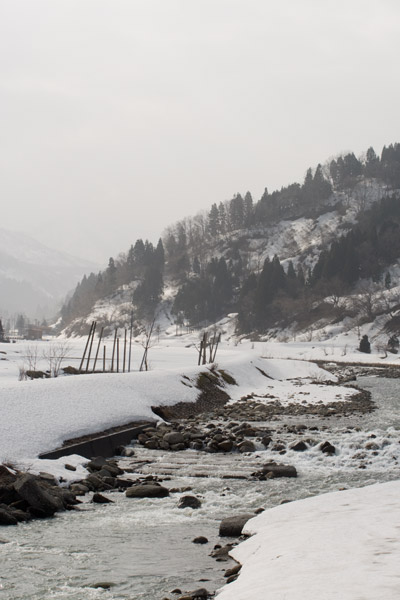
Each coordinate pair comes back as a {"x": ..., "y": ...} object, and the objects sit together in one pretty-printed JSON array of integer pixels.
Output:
[{"x": 340, "y": 545}]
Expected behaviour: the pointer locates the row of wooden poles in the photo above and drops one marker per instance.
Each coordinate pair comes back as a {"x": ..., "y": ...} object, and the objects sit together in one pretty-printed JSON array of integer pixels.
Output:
[
  {"x": 115, "y": 358},
  {"x": 212, "y": 344}
]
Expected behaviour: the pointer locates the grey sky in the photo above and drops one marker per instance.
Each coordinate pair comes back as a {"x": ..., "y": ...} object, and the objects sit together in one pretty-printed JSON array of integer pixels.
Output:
[{"x": 119, "y": 117}]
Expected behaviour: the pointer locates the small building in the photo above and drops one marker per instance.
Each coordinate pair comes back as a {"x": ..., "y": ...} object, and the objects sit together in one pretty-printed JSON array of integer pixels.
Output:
[{"x": 34, "y": 332}]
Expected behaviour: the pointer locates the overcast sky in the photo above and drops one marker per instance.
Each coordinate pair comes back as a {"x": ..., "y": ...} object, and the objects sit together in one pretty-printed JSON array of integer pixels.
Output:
[{"x": 119, "y": 117}]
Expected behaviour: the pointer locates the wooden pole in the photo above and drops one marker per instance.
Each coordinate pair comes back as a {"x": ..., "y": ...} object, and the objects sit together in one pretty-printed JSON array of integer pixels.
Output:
[
  {"x": 204, "y": 348},
  {"x": 130, "y": 345},
  {"x": 123, "y": 367},
  {"x": 200, "y": 351},
  {"x": 90, "y": 347},
  {"x": 104, "y": 359},
  {"x": 98, "y": 348},
  {"x": 216, "y": 347},
  {"x": 113, "y": 351},
  {"x": 117, "y": 355},
  {"x": 87, "y": 343}
]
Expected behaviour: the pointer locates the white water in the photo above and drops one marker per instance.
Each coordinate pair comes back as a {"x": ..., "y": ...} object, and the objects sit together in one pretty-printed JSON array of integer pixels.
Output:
[{"x": 144, "y": 547}]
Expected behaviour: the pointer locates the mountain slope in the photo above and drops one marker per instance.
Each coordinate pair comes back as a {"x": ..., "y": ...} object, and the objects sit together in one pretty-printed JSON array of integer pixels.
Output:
[{"x": 33, "y": 275}]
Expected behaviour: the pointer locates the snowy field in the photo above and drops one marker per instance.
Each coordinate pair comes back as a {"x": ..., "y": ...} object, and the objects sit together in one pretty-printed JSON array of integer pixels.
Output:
[{"x": 340, "y": 545}]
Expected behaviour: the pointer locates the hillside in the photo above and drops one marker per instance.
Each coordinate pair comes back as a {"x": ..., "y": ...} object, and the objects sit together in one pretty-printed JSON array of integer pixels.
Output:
[
  {"x": 299, "y": 260},
  {"x": 33, "y": 277}
]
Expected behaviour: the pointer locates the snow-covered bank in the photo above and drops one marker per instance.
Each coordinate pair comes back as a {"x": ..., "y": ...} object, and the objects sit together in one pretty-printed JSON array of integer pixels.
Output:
[
  {"x": 340, "y": 545},
  {"x": 39, "y": 415}
]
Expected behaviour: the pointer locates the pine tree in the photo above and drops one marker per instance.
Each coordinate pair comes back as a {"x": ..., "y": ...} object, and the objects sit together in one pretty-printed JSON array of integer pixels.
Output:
[
  {"x": 365, "y": 346},
  {"x": 213, "y": 221}
]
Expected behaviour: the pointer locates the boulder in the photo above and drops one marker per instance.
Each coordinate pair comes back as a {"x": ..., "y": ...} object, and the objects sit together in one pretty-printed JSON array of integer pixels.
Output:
[
  {"x": 189, "y": 502},
  {"x": 7, "y": 518},
  {"x": 279, "y": 470},
  {"x": 225, "y": 446},
  {"x": 232, "y": 526},
  {"x": 174, "y": 437},
  {"x": 99, "y": 499},
  {"x": 147, "y": 491},
  {"x": 246, "y": 446},
  {"x": 30, "y": 489},
  {"x": 200, "y": 540},
  {"x": 95, "y": 464},
  {"x": 299, "y": 446},
  {"x": 327, "y": 448}
]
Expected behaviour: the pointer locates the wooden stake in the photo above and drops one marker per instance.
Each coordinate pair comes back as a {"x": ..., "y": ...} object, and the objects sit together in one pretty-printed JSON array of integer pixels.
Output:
[
  {"x": 104, "y": 359},
  {"x": 90, "y": 347},
  {"x": 216, "y": 347},
  {"x": 200, "y": 351},
  {"x": 204, "y": 348},
  {"x": 113, "y": 351},
  {"x": 98, "y": 348},
  {"x": 123, "y": 366},
  {"x": 130, "y": 345},
  {"x": 117, "y": 355},
  {"x": 87, "y": 343}
]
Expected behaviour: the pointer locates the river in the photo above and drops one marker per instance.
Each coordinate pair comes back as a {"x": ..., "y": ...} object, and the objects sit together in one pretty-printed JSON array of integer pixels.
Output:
[{"x": 144, "y": 547}]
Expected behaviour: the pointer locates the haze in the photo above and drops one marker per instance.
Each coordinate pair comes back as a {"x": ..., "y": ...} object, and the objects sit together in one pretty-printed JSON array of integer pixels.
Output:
[{"x": 119, "y": 117}]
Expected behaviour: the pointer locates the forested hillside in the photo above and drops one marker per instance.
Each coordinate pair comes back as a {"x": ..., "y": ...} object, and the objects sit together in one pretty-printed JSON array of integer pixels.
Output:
[{"x": 286, "y": 260}]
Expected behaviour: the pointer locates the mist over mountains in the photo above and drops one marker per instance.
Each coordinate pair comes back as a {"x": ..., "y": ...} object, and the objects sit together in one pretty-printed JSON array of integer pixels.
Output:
[{"x": 34, "y": 279}]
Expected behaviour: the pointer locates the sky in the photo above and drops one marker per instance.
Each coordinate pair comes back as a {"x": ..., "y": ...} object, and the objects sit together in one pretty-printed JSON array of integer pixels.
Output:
[{"x": 120, "y": 117}]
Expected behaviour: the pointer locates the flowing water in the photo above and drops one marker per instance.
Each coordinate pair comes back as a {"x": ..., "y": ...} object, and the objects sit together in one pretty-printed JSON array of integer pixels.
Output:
[{"x": 144, "y": 547}]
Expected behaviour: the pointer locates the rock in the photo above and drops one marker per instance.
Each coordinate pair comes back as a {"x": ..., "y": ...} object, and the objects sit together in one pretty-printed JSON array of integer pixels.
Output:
[
  {"x": 176, "y": 591},
  {"x": 246, "y": 446},
  {"x": 279, "y": 470},
  {"x": 266, "y": 440},
  {"x": 231, "y": 578},
  {"x": 123, "y": 483},
  {"x": 221, "y": 553},
  {"x": 96, "y": 463},
  {"x": 327, "y": 448},
  {"x": 69, "y": 467},
  {"x": 112, "y": 469},
  {"x": 200, "y": 594},
  {"x": 299, "y": 446},
  {"x": 233, "y": 571},
  {"x": 189, "y": 502},
  {"x": 174, "y": 438},
  {"x": 232, "y": 526},
  {"x": 176, "y": 447},
  {"x": 32, "y": 491},
  {"x": 147, "y": 491},
  {"x": 196, "y": 445},
  {"x": 99, "y": 499},
  {"x": 79, "y": 489},
  {"x": 95, "y": 483},
  {"x": 48, "y": 477},
  {"x": 104, "y": 585},
  {"x": 225, "y": 446},
  {"x": 200, "y": 540},
  {"x": 7, "y": 518},
  {"x": 151, "y": 444},
  {"x": 128, "y": 452}
]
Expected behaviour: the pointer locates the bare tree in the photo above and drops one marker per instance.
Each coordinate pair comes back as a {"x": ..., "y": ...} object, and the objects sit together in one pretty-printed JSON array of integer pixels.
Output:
[
  {"x": 54, "y": 354},
  {"x": 147, "y": 344},
  {"x": 32, "y": 356}
]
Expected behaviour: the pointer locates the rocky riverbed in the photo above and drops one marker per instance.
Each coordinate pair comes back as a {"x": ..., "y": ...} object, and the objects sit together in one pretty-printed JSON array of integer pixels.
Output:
[{"x": 232, "y": 459}]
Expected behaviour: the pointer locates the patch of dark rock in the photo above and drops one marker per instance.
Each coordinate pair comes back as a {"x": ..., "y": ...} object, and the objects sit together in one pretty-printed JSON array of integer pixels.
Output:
[
  {"x": 200, "y": 540},
  {"x": 232, "y": 526},
  {"x": 189, "y": 502},
  {"x": 104, "y": 585},
  {"x": 99, "y": 499},
  {"x": 327, "y": 448},
  {"x": 150, "y": 490},
  {"x": 299, "y": 446},
  {"x": 69, "y": 467},
  {"x": 272, "y": 470},
  {"x": 233, "y": 571}
]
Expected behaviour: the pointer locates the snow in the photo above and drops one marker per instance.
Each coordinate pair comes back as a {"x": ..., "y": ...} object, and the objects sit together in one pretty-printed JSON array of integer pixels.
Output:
[
  {"x": 343, "y": 545},
  {"x": 37, "y": 416}
]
